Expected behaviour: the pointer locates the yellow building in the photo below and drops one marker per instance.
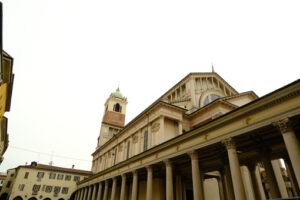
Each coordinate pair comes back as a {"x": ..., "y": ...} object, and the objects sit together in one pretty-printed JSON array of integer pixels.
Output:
[
  {"x": 38, "y": 181},
  {"x": 200, "y": 140},
  {"x": 6, "y": 85}
]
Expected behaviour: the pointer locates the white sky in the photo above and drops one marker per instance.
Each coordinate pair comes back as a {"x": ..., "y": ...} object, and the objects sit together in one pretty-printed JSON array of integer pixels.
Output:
[{"x": 70, "y": 55}]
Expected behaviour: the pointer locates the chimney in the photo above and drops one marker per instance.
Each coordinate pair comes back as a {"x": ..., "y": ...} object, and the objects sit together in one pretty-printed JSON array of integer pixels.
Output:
[{"x": 73, "y": 166}]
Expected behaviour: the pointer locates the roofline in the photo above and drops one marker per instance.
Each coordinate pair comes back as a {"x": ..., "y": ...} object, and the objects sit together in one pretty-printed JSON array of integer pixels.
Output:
[{"x": 83, "y": 172}]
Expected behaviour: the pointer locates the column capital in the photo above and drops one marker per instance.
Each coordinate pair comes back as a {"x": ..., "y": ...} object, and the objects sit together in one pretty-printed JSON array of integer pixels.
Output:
[
  {"x": 114, "y": 178},
  {"x": 167, "y": 162},
  {"x": 134, "y": 172},
  {"x": 149, "y": 168},
  {"x": 229, "y": 143},
  {"x": 284, "y": 125},
  {"x": 193, "y": 155},
  {"x": 123, "y": 175}
]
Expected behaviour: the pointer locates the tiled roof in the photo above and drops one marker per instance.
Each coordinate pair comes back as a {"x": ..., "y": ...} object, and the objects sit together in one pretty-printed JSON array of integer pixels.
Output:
[{"x": 61, "y": 169}]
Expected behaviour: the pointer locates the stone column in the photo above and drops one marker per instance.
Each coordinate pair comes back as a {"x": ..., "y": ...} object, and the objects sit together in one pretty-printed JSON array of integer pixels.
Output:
[
  {"x": 169, "y": 180},
  {"x": 292, "y": 177},
  {"x": 238, "y": 186},
  {"x": 90, "y": 192},
  {"x": 80, "y": 194},
  {"x": 274, "y": 190},
  {"x": 149, "y": 183},
  {"x": 106, "y": 190},
  {"x": 252, "y": 169},
  {"x": 94, "y": 192},
  {"x": 180, "y": 127},
  {"x": 99, "y": 195},
  {"x": 123, "y": 187},
  {"x": 276, "y": 165},
  {"x": 197, "y": 181},
  {"x": 113, "y": 190},
  {"x": 134, "y": 186},
  {"x": 260, "y": 184},
  {"x": 178, "y": 188},
  {"x": 291, "y": 144},
  {"x": 221, "y": 189},
  {"x": 161, "y": 129},
  {"x": 85, "y": 193},
  {"x": 228, "y": 183}
]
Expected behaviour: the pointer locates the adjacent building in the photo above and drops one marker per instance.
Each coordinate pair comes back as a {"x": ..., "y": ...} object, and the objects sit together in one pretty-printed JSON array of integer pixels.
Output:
[
  {"x": 6, "y": 85},
  {"x": 38, "y": 181},
  {"x": 200, "y": 140}
]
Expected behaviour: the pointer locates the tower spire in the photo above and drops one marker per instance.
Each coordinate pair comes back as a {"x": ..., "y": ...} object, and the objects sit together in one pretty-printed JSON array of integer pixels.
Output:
[{"x": 212, "y": 68}]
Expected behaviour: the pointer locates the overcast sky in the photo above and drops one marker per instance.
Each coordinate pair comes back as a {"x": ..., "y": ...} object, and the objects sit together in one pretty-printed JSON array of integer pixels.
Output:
[{"x": 70, "y": 55}]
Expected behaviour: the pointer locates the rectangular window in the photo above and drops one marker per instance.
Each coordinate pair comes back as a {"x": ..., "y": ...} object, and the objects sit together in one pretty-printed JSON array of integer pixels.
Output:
[
  {"x": 8, "y": 184},
  {"x": 146, "y": 141},
  {"x": 52, "y": 175},
  {"x": 56, "y": 189},
  {"x": 128, "y": 150},
  {"x": 60, "y": 176},
  {"x": 21, "y": 187},
  {"x": 36, "y": 188},
  {"x": 40, "y": 174},
  {"x": 76, "y": 178},
  {"x": 48, "y": 189},
  {"x": 26, "y": 175},
  {"x": 68, "y": 178},
  {"x": 64, "y": 190}
]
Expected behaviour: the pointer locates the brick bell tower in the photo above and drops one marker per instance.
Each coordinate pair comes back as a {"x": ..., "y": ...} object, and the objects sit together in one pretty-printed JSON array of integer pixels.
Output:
[{"x": 114, "y": 117}]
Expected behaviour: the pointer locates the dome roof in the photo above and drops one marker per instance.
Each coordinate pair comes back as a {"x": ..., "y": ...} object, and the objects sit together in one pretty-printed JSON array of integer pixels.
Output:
[{"x": 118, "y": 94}]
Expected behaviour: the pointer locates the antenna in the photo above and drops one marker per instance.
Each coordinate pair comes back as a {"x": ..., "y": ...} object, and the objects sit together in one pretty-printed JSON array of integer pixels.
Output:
[{"x": 51, "y": 159}]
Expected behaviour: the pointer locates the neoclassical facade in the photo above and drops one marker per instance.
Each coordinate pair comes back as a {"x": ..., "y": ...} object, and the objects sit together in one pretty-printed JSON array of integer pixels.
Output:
[{"x": 200, "y": 140}]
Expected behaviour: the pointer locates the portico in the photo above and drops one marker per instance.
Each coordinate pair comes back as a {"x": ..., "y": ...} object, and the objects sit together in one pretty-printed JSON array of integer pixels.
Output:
[{"x": 212, "y": 153}]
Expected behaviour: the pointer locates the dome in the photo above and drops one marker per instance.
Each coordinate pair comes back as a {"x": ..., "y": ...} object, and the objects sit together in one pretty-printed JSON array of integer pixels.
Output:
[{"x": 118, "y": 94}]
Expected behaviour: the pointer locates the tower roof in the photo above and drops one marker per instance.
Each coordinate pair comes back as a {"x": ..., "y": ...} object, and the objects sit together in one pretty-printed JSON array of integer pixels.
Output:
[{"x": 118, "y": 94}]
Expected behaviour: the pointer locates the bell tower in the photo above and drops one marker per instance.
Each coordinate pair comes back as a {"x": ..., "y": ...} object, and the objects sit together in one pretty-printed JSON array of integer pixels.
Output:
[{"x": 113, "y": 118}]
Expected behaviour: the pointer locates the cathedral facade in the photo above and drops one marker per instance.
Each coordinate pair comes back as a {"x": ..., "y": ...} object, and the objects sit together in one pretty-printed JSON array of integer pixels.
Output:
[{"x": 200, "y": 140}]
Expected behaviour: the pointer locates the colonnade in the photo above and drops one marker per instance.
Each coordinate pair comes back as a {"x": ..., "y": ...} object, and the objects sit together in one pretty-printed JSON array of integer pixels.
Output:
[{"x": 230, "y": 181}]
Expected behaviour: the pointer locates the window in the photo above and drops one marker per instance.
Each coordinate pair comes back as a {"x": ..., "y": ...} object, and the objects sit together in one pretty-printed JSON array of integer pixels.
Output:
[
  {"x": 68, "y": 178},
  {"x": 40, "y": 174},
  {"x": 12, "y": 175},
  {"x": 64, "y": 190},
  {"x": 52, "y": 175},
  {"x": 56, "y": 189},
  {"x": 26, "y": 175},
  {"x": 36, "y": 188},
  {"x": 76, "y": 178},
  {"x": 21, "y": 187},
  {"x": 8, "y": 184},
  {"x": 117, "y": 108},
  {"x": 128, "y": 150},
  {"x": 60, "y": 176},
  {"x": 146, "y": 141},
  {"x": 210, "y": 98},
  {"x": 48, "y": 189}
]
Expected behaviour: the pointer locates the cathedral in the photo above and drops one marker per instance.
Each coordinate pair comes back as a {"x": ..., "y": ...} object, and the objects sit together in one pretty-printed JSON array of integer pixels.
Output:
[{"x": 200, "y": 140}]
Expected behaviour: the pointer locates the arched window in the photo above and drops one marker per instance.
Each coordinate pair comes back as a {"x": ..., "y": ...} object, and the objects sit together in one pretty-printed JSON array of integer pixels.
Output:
[
  {"x": 210, "y": 98},
  {"x": 146, "y": 141},
  {"x": 117, "y": 108}
]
